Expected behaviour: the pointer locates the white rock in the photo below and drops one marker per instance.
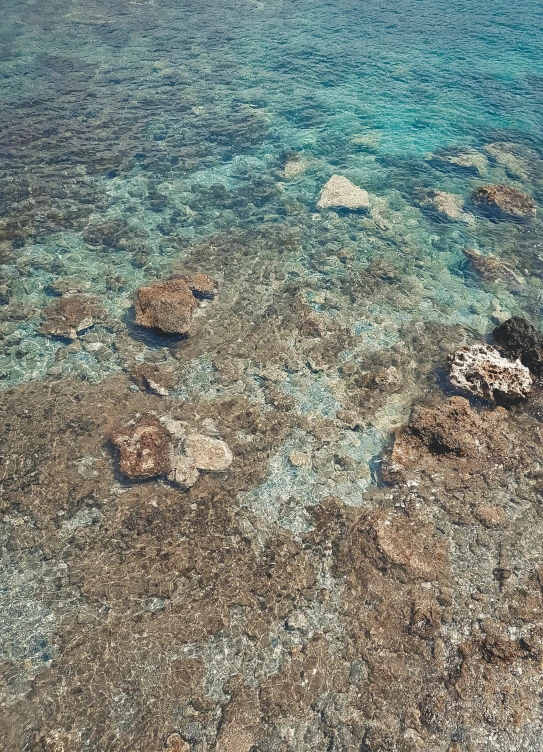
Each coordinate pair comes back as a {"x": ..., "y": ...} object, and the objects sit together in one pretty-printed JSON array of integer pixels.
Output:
[
  {"x": 340, "y": 193},
  {"x": 207, "y": 453},
  {"x": 481, "y": 370},
  {"x": 183, "y": 472}
]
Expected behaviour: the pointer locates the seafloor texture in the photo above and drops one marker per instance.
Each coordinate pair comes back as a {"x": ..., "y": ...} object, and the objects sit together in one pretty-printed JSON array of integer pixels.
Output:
[{"x": 253, "y": 513}]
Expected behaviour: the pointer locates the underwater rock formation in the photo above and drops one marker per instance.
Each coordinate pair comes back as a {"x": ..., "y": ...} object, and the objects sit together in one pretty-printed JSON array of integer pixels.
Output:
[
  {"x": 70, "y": 315},
  {"x": 504, "y": 201},
  {"x": 481, "y": 370},
  {"x": 490, "y": 268},
  {"x": 469, "y": 160},
  {"x": 453, "y": 428},
  {"x": 517, "y": 338},
  {"x": 340, "y": 193},
  {"x": 166, "y": 306}
]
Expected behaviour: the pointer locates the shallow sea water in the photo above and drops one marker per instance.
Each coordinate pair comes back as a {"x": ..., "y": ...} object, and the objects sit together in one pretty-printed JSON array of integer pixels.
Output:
[{"x": 143, "y": 137}]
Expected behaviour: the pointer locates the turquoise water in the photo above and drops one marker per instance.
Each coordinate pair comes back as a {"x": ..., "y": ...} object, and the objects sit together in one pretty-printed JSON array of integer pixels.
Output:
[
  {"x": 175, "y": 120},
  {"x": 143, "y": 137}
]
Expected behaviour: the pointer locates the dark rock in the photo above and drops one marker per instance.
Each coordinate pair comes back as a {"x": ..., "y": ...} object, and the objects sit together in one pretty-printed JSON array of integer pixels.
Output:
[
  {"x": 504, "y": 201},
  {"x": 71, "y": 315},
  {"x": 144, "y": 448},
  {"x": 517, "y": 338},
  {"x": 167, "y": 306}
]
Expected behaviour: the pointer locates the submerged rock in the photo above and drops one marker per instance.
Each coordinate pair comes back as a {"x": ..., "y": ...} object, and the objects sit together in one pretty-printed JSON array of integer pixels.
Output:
[
  {"x": 506, "y": 154},
  {"x": 470, "y": 160},
  {"x": 481, "y": 370},
  {"x": 70, "y": 315},
  {"x": 517, "y": 338},
  {"x": 167, "y": 306},
  {"x": 504, "y": 201},
  {"x": 144, "y": 448},
  {"x": 295, "y": 167},
  {"x": 447, "y": 204},
  {"x": 340, "y": 193},
  {"x": 490, "y": 268}
]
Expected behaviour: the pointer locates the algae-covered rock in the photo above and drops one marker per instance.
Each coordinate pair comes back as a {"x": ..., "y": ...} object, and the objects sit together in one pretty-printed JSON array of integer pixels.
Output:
[
  {"x": 340, "y": 193},
  {"x": 504, "y": 201},
  {"x": 481, "y": 370},
  {"x": 166, "y": 306}
]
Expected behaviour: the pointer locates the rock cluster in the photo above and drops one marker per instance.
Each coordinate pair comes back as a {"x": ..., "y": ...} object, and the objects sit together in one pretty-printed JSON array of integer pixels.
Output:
[
  {"x": 340, "y": 193},
  {"x": 482, "y": 371},
  {"x": 504, "y": 201},
  {"x": 150, "y": 447},
  {"x": 168, "y": 306}
]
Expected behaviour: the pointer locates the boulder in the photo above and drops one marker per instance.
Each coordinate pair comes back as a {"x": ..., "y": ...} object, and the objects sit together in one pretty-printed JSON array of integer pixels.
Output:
[
  {"x": 504, "y": 201},
  {"x": 481, "y": 370},
  {"x": 295, "y": 167},
  {"x": 145, "y": 448},
  {"x": 166, "y": 306},
  {"x": 70, "y": 315},
  {"x": 517, "y": 338},
  {"x": 340, "y": 193}
]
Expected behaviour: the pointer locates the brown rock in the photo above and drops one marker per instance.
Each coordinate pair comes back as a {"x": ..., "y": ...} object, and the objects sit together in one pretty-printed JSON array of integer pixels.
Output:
[
  {"x": 167, "y": 306},
  {"x": 505, "y": 201},
  {"x": 70, "y": 315},
  {"x": 425, "y": 618},
  {"x": 408, "y": 544},
  {"x": 145, "y": 448}
]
